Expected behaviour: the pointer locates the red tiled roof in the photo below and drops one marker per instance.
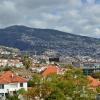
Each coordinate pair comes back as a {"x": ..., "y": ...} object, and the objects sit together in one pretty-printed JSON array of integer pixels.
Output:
[
  {"x": 93, "y": 82},
  {"x": 50, "y": 70},
  {"x": 10, "y": 77}
]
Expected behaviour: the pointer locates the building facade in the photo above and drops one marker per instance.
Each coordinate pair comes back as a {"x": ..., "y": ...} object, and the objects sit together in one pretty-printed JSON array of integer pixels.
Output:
[{"x": 10, "y": 83}]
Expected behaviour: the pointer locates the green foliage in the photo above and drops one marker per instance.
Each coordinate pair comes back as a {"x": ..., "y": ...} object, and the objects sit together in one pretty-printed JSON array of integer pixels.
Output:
[
  {"x": 27, "y": 61},
  {"x": 21, "y": 91},
  {"x": 13, "y": 98},
  {"x": 98, "y": 89},
  {"x": 96, "y": 75},
  {"x": 30, "y": 83},
  {"x": 56, "y": 95},
  {"x": 7, "y": 68},
  {"x": 70, "y": 66},
  {"x": 73, "y": 85}
]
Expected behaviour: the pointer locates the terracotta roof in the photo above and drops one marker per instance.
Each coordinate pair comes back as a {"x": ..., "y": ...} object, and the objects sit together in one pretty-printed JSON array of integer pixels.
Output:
[
  {"x": 93, "y": 82},
  {"x": 10, "y": 77},
  {"x": 50, "y": 70}
]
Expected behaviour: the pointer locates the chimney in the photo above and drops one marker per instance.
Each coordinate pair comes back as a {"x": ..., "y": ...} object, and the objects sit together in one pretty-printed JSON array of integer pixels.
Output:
[{"x": 12, "y": 75}]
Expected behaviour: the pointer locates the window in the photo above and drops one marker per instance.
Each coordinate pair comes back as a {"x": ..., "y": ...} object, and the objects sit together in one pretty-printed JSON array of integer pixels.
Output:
[
  {"x": 21, "y": 84},
  {"x": 13, "y": 85},
  {"x": 1, "y": 86}
]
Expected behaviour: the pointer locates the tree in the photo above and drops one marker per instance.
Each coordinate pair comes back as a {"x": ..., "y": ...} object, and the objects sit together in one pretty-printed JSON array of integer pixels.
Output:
[
  {"x": 77, "y": 85},
  {"x": 70, "y": 66},
  {"x": 40, "y": 88},
  {"x": 27, "y": 61},
  {"x": 30, "y": 83},
  {"x": 73, "y": 85},
  {"x": 13, "y": 97},
  {"x": 96, "y": 75},
  {"x": 98, "y": 89},
  {"x": 21, "y": 91},
  {"x": 56, "y": 95}
]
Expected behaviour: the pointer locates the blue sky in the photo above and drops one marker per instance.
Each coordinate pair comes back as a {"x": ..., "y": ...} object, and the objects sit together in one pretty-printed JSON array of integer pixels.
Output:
[{"x": 74, "y": 16}]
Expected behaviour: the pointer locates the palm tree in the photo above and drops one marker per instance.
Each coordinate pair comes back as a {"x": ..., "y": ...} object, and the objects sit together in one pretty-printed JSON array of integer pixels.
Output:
[{"x": 27, "y": 61}]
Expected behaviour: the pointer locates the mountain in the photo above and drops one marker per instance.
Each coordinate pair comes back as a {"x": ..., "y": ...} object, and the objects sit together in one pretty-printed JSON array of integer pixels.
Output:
[{"x": 34, "y": 39}]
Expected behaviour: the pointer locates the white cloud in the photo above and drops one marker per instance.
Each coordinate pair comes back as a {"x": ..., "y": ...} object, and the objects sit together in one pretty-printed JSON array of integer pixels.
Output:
[
  {"x": 38, "y": 23},
  {"x": 97, "y": 31},
  {"x": 75, "y": 16}
]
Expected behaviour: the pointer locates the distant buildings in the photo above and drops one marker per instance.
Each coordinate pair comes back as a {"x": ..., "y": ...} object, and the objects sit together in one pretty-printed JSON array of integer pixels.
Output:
[
  {"x": 91, "y": 67},
  {"x": 11, "y": 62}
]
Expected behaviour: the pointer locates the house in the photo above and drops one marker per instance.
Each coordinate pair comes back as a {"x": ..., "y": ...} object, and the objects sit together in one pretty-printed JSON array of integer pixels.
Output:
[
  {"x": 77, "y": 64},
  {"x": 52, "y": 69},
  {"x": 38, "y": 69},
  {"x": 93, "y": 82},
  {"x": 3, "y": 62},
  {"x": 10, "y": 83},
  {"x": 91, "y": 67}
]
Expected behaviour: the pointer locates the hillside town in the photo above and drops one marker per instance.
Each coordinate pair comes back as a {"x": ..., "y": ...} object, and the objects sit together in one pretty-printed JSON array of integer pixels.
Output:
[
  {"x": 49, "y": 49},
  {"x": 17, "y": 73}
]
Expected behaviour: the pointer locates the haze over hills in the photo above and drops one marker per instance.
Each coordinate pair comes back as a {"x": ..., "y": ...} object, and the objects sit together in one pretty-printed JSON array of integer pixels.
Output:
[{"x": 33, "y": 39}]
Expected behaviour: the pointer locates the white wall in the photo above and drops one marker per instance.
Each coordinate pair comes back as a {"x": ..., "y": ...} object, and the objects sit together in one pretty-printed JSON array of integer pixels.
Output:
[
  {"x": 13, "y": 87},
  {"x": 24, "y": 86}
]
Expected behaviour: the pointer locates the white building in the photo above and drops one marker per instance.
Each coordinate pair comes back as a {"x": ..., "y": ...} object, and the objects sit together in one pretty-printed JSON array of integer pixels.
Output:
[
  {"x": 3, "y": 62},
  {"x": 10, "y": 83}
]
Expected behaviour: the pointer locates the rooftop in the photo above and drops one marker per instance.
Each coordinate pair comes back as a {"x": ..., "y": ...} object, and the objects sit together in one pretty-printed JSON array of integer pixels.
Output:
[
  {"x": 93, "y": 82},
  {"x": 10, "y": 77},
  {"x": 51, "y": 69}
]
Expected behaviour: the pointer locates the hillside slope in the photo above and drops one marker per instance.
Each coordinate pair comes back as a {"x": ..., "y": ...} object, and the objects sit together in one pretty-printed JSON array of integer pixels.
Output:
[{"x": 26, "y": 38}]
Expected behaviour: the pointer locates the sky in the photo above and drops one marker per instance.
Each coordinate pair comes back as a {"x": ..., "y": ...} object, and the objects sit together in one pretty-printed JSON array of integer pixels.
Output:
[{"x": 74, "y": 16}]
